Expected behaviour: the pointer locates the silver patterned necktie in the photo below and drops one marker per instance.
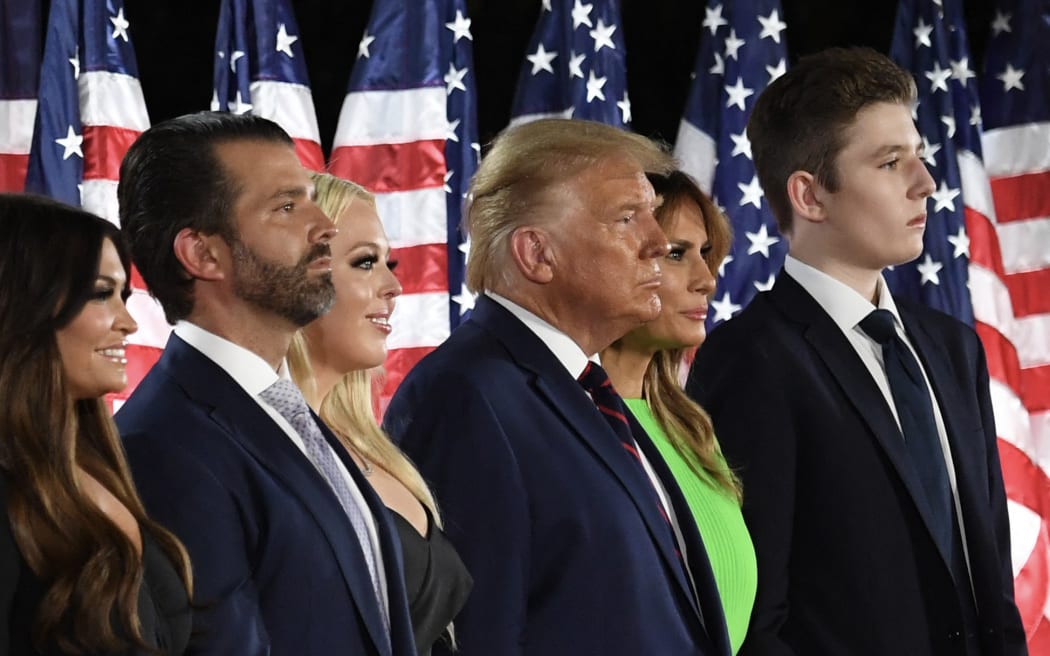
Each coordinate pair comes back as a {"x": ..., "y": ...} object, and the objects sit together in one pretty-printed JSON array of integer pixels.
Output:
[{"x": 284, "y": 397}]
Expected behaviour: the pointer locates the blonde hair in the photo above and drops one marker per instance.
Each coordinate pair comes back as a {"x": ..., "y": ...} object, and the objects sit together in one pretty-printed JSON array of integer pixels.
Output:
[
  {"x": 686, "y": 424},
  {"x": 347, "y": 408},
  {"x": 525, "y": 161}
]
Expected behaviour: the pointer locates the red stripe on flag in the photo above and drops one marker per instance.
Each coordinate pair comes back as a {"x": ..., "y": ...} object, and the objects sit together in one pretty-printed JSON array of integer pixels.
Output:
[
  {"x": 104, "y": 147},
  {"x": 984, "y": 241},
  {"x": 13, "y": 171},
  {"x": 1022, "y": 197},
  {"x": 422, "y": 268},
  {"x": 1035, "y": 388},
  {"x": 136, "y": 279},
  {"x": 1029, "y": 291},
  {"x": 385, "y": 168},
  {"x": 1001, "y": 355},
  {"x": 1025, "y": 482},
  {"x": 1039, "y": 639},
  {"x": 310, "y": 154},
  {"x": 398, "y": 363}
]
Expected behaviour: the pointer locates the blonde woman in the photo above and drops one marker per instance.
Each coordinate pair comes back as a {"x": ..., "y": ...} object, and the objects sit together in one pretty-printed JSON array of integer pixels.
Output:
[
  {"x": 330, "y": 361},
  {"x": 644, "y": 368}
]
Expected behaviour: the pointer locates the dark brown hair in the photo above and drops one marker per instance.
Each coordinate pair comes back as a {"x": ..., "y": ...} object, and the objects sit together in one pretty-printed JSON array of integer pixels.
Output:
[
  {"x": 91, "y": 570},
  {"x": 799, "y": 122},
  {"x": 686, "y": 424}
]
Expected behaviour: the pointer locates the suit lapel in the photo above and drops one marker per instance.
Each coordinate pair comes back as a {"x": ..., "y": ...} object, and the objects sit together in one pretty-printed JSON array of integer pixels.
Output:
[
  {"x": 849, "y": 372},
  {"x": 567, "y": 398},
  {"x": 239, "y": 416}
]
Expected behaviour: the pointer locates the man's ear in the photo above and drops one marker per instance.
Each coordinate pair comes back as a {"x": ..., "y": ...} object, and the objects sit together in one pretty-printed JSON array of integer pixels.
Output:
[
  {"x": 201, "y": 255},
  {"x": 805, "y": 194},
  {"x": 531, "y": 249}
]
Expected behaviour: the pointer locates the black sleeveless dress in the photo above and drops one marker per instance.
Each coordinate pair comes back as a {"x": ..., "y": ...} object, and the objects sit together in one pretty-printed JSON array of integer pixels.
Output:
[
  {"x": 436, "y": 580},
  {"x": 164, "y": 612}
]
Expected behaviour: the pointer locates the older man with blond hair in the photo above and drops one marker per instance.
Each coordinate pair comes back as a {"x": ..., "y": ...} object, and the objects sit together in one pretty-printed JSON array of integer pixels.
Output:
[{"x": 576, "y": 535}]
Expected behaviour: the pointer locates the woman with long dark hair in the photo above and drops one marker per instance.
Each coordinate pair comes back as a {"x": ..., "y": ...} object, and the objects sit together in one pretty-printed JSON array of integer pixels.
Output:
[{"x": 82, "y": 568}]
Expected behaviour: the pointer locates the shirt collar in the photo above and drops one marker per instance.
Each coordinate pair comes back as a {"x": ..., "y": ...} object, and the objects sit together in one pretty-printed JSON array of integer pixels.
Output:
[
  {"x": 843, "y": 304},
  {"x": 564, "y": 348},
  {"x": 249, "y": 370}
]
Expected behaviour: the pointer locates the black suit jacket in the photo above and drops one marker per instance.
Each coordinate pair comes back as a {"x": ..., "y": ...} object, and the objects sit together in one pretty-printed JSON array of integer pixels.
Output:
[
  {"x": 277, "y": 566},
  {"x": 557, "y": 524},
  {"x": 846, "y": 561}
]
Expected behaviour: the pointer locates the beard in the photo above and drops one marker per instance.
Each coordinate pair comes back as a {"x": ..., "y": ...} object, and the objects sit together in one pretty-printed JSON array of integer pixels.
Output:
[{"x": 287, "y": 291}]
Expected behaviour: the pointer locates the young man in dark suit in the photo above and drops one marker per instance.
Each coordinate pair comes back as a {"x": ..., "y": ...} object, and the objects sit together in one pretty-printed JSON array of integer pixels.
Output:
[
  {"x": 576, "y": 534},
  {"x": 861, "y": 425},
  {"x": 293, "y": 553}
]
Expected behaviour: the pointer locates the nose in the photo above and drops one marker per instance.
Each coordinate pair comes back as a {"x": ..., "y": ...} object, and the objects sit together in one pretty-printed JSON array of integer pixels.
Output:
[
  {"x": 123, "y": 321},
  {"x": 323, "y": 228},
  {"x": 391, "y": 286},
  {"x": 654, "y": 244},
  {"x": 703, "y": 280},
  {"x": 924, "y": 185}
]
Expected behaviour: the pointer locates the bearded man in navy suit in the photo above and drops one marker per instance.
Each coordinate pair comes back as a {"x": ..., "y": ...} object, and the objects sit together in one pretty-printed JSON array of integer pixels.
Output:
[
  {"x": 860, "y": 424},
  {"x": 578, "y": 540},
  {"x": 293, "y": 553}
]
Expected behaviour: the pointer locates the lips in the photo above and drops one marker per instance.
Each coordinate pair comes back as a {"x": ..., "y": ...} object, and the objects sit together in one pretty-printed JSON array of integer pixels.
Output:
[
  {"x": 918, "y": 221},
  {"x": 696, "y": 314},
  {"x": 115, "y": 353},
  {"x": 380, "y": 321}
]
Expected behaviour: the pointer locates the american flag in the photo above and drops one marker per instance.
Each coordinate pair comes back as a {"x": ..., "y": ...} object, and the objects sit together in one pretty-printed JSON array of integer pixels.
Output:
[
  {"x": 408, "y": 133},
  {"x": 19, "y": 76},
  {"x": 965, "y": 261},
  {"x": 91, "y": 110},
  {"x": 1010, "y": 283},
  {"x": 260, "y": 68},
  {"x": 742, "y": 50},
  {"x": 575, "y": 66}
]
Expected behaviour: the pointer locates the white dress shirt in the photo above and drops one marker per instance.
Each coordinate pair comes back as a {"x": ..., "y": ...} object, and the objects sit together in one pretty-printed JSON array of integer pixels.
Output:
[
  {"x": 254, "y": 375},
  {"x": 847, "y": 309}
]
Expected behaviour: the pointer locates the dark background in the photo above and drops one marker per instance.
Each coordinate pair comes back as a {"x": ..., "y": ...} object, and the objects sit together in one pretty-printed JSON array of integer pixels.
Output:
[{"x": 175, "y": 40}]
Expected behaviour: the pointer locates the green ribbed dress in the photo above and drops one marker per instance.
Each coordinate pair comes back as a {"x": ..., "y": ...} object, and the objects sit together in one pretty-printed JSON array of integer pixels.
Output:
[{"x": 721, "y": 524}]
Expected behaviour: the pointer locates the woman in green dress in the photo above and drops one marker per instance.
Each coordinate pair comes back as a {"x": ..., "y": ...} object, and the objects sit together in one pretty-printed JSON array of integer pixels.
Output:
[{"x": 644, "y": 366}]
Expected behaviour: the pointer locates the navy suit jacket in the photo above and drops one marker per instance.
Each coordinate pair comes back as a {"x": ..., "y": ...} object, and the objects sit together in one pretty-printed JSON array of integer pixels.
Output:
[
  {"x": 846, "y": 560},
  {"x": 557, "y": 524},
  {"x": 277, "y": 566}
]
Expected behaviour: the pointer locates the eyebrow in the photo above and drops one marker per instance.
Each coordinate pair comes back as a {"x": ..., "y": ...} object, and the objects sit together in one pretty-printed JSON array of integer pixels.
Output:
[
  {"x": 898, "y": 148},
  {"x": 290, "y": 192},
  {"x": 110, "y": 280}
]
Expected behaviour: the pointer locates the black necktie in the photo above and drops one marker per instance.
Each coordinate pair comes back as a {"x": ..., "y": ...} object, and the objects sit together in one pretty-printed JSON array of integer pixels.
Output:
[{"x": 911, "y": 397}]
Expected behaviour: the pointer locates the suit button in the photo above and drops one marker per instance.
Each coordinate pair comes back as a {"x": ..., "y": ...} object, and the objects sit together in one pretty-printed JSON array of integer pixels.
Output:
[{"x": 955, "y": 635}]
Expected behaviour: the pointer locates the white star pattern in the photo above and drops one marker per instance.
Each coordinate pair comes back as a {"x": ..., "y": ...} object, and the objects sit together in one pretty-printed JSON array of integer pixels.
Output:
[
  {"x": 75, "y": 62},
  {"x": 465, "y": 299},
  {"x": 929, "y": 150},
  {"x": 71, "y": 144},
  {"x": 761, "y": 240},
  {"x": 214, "y": 104},
  {"x": 581, "y": 15},
  {"x": 767, "y": 285},
  {"x": 922, "y": 33},
  {"x": 454, "y": 79},
  {"x": 713, "y": 19},
  {"x": 1001, "y": 23},
  {"x": 120, "y": 26},
  {"x": 460, "y": 27},
  {"x": 576, "y": 65},
  {"x": 1011, "y": 78},
  {"x": 602, "y": 35},
  {"x": 975, "y": 115},
  {"x": 725, "y": 308},
  {"x": 285, "y": 40},
  {"x": 362, "y": 48},
  {"x": 625, "y": 107},
  {"x": 722, "y": 267},
  {"x": 450, "y": 131},
  {"x": 752, "y": 194},
  {"x": 541, "y": 60},
  {"x": 446, "y": 186},
  {"x": 547, "y": 5},
  {"x": 741, "y": 144},
  {"x": 949, "y": 122},
  {"x": 234, "y": 56},
  {"x": 239, "y": 106},
  {"x": 733, "y": 44},
  {"x": 772, "y": 26},
  {"x": 594, "y": 87},
  {"x": 961, "y": 242},
  {"x": 944, "y": 197},
  {"x": 961, "y": 70},
  {"x": 938, "y": 77},
  {"x": 719, "y": 67},
  {"x": 776, "y": 71},
  {"x": 928, "y": 271},
  {"x": 738, "y": 94}
]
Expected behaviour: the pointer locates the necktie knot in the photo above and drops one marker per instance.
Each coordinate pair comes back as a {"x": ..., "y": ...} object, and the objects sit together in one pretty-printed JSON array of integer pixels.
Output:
[
  {"x": 284, "y": 397},
  {"x": 880, "y": 326},
  {"x": 594, "y": 378}
]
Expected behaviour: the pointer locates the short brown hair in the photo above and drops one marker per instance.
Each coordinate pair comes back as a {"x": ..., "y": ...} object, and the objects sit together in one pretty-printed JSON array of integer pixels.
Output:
[
  {"x": 526, "y": 160},
  {"x": 799, "y": 121}
]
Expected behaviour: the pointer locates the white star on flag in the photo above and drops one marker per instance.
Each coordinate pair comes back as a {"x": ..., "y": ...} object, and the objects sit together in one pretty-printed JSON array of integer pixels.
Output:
[
  {"x": 767, "y": 285},
  {"x": 922, "y": 33},
  {"x": 285, "y": 40},
  {"x": 733, "y": 45},
  {"x": 581, "y": 15},
  {"x": 738, "y": 93},
  {"x": 772, "y": 26},
  {"x": 944, "y": 197},
  {"x": 362, "y": 48},
  {"x": 602, "y": 35},
  {"x": 938, "y": 77},
  {"x": 75, "y": 61},
  {"x": 625, "y": 107},
  {"x": 120, "y": 26},
  {"x": 460, "y": 27},
  {"x": 961, "y": 242},
  {"x": 776, "y": 71},
  {"x": 541, "y": 60},
  {"x": 234, "y": 56},
  {"x": 961, "y": 70},
  {"x": 713, "y": 19},
  {"x": 71, "y": 144},
  {"x": 576, "y": 65},
  {"x": 752, "y": 194},
  {"x": 1011, "y": 78},
  {"x": 949, "y": 122},
  {"x": 594, "y": 87},
  {"x": 741, "y": 144},
  {"x": 928, "y": 270},
  {"x": 454, "y": 79},
  {"x": 929, "y": 150},
  {"x": 722, "y": 267},
  {"x": 760, "y": 241},
  {"x": 465, "y": 299},
  {"x": 725, "y": 308},
  {"x": 1001, "y": 23}
]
